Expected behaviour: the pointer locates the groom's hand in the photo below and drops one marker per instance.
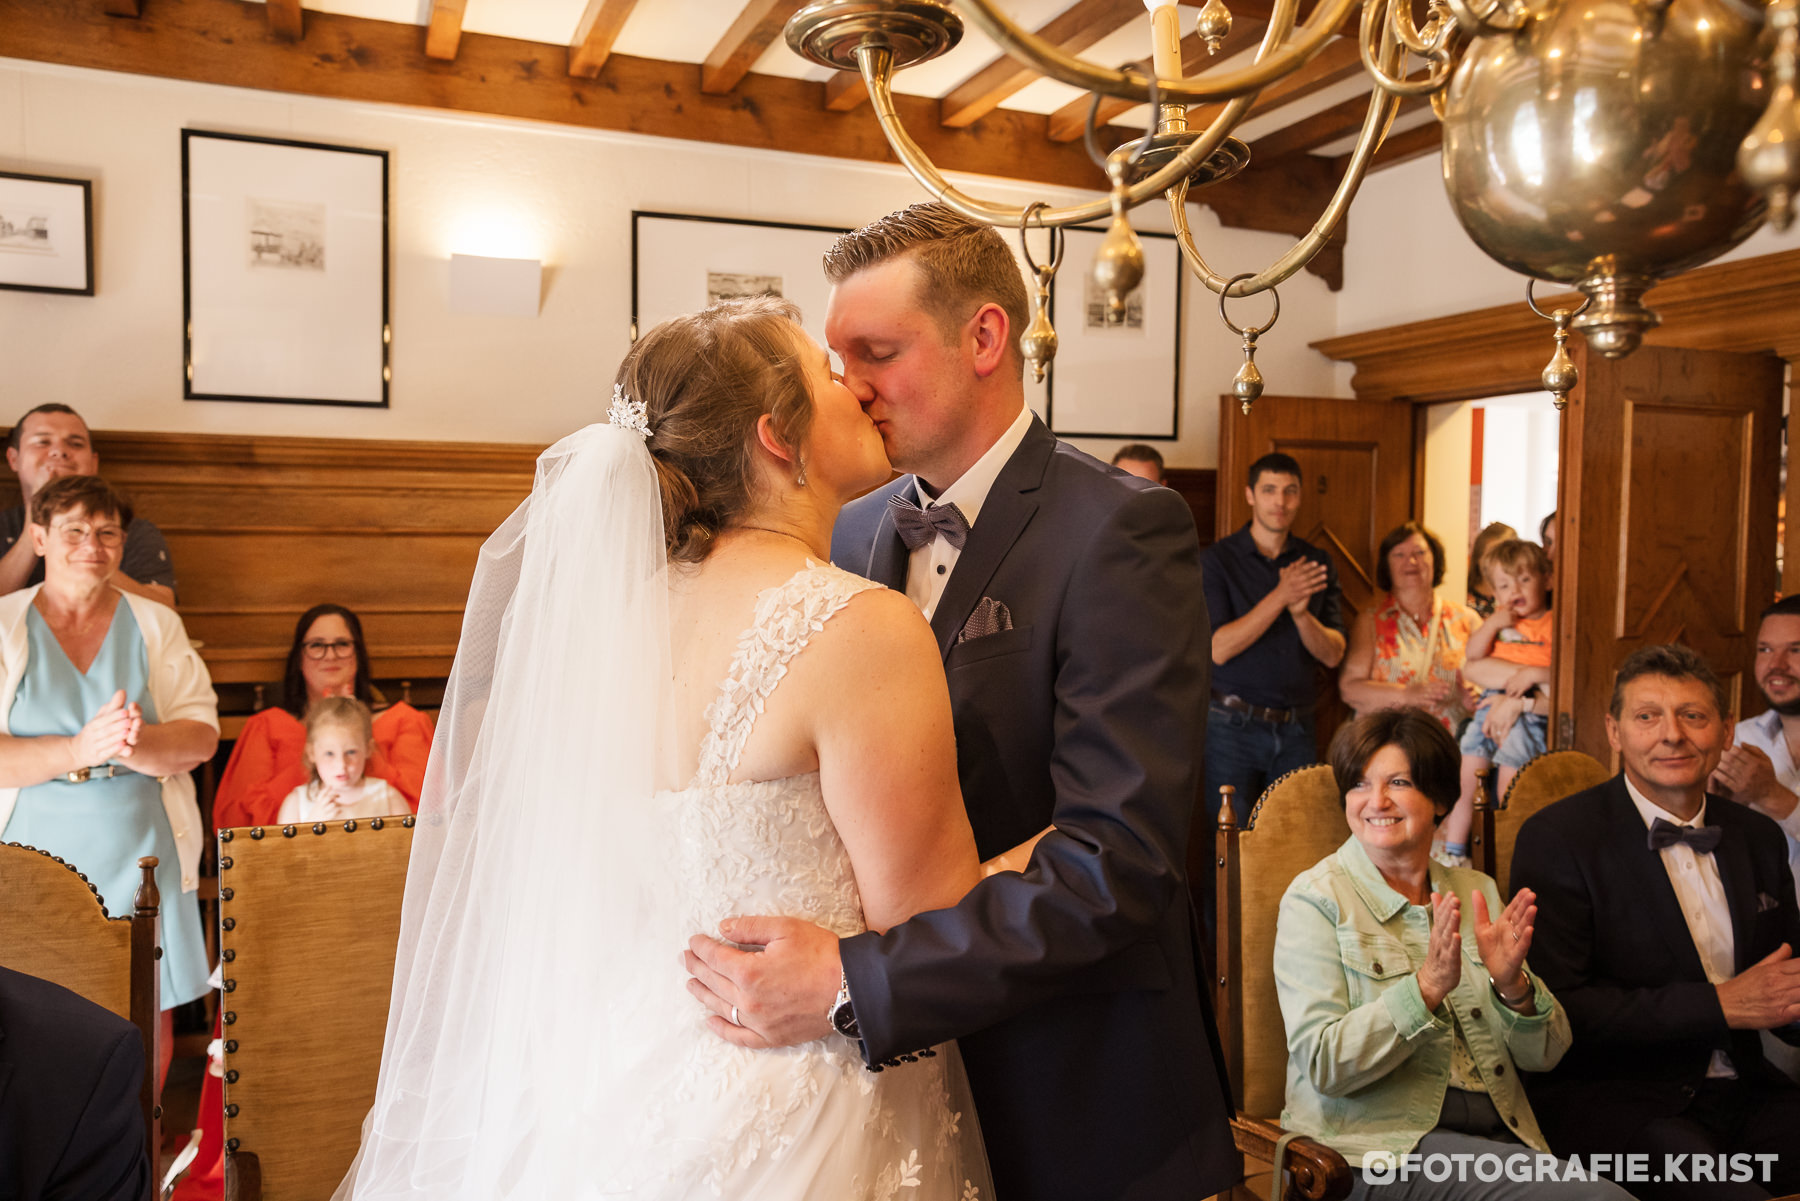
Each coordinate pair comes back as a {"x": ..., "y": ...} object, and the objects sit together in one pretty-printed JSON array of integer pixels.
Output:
[{"x": 783, "y": 993}]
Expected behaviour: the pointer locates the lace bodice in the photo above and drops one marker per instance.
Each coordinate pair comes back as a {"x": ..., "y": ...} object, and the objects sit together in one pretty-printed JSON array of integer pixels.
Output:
[{"x": 766, "y": 846}]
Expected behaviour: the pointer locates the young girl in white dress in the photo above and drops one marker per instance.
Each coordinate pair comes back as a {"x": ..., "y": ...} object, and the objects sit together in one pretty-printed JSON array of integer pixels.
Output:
[{"x": 339, "y": 732}]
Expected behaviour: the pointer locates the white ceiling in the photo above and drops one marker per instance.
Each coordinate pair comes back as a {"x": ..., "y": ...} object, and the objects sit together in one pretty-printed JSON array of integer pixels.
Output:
[{"x": 687, "y": 30}]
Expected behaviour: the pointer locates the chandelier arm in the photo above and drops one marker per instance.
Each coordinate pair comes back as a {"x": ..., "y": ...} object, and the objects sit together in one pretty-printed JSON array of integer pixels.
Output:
[
  {"x": 1399, "y": 21},
  {"x": 877, "y": 70},
  {"x": 1130, "y": 84},
  {"x": 1371, "y": 42},
  {"x": 1382, "y": 110}
]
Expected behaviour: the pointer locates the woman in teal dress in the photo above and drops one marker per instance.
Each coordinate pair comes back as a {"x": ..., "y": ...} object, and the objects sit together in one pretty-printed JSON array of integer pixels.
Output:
[{"x": 104, "y": 710}]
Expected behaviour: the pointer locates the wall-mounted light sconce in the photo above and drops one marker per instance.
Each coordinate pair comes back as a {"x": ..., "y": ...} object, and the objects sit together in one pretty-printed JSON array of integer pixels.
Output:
[{"x": 495, "y": 287}]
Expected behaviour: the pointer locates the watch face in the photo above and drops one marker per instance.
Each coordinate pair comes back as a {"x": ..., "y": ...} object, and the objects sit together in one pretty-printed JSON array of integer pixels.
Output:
[{"x": 843, "y": 1020}]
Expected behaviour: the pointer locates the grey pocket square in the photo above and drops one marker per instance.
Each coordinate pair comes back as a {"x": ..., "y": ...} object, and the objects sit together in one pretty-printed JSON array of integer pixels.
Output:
[
  {"x": 989, "y": 617},
  {"x": 1765, "y": 902}
]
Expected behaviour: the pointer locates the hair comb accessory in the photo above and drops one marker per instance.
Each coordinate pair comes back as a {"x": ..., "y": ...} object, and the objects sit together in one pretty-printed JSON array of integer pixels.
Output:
[{"x": 629, "y": 414}]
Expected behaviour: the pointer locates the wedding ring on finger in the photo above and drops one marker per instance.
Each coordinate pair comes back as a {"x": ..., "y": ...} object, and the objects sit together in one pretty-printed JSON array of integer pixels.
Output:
[{"x": 734, "y": 1011}]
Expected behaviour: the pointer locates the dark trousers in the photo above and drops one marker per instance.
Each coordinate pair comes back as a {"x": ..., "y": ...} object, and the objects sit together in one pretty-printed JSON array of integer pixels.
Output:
[
  {"x": 1249, "y": 755},
  {"x": 1727, "y": 1118}
]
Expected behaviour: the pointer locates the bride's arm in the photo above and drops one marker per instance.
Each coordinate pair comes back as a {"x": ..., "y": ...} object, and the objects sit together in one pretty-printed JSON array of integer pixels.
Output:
[
  {"x": 1017, "y": 858},
  {"x": 887, "y": 758}
]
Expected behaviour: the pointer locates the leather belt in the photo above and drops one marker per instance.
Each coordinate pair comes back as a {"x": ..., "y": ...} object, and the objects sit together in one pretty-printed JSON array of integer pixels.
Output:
[
  {"x": 1237, "y": 704},
  {"x": 105, "y": 771}
]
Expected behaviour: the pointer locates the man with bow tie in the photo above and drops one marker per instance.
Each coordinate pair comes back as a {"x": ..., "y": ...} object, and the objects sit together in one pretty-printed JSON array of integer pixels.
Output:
[
  {"x": 1067, "y": 601},
  {"x": 1667, "y": 926}
]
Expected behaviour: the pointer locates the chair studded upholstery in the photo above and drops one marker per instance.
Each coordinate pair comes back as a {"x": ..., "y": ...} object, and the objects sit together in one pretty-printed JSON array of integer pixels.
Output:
[
  {"x": 53, "y": 926},
  {"x": 309, "y": 921},
  {"x": 1545, "y": 780},
  {"x": 1296, "y": 823}
]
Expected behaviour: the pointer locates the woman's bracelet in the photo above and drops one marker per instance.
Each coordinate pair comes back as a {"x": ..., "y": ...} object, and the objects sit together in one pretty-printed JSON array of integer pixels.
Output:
[{"x": 1514, "y": 1002}]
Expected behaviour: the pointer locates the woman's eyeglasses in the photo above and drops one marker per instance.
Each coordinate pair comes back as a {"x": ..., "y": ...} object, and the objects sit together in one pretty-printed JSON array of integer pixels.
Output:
[
  {"x": 74, "y": 533},
  {"x": 343, "y": 648}
]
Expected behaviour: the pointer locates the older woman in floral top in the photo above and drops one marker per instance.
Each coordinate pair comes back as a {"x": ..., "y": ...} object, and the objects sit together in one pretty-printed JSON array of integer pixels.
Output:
[{"x": 1408, "y": 650}]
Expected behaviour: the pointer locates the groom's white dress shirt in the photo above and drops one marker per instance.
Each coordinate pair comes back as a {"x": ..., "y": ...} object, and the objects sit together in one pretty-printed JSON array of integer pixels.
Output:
[{"x": 929, "y": 567}]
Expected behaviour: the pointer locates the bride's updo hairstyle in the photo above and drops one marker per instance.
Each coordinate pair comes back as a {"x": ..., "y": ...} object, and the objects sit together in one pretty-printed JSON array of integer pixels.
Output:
[{"x": 704, "y": 380}]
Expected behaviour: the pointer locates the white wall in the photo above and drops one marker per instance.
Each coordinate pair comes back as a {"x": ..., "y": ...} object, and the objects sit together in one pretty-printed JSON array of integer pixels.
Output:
[
  {"x": 1520, "y": 451},
  {"x": 1408, "y": 258},
  {"x": 1449, "y": 452},
  {"x": 563, "y": 194}
]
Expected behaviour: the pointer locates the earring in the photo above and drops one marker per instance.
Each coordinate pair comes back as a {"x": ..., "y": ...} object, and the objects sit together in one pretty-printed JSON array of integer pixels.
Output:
[{"x": 800, "y": 479}]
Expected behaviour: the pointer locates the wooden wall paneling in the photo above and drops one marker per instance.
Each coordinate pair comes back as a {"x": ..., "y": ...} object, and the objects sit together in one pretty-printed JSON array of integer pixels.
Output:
[
  {"x": 261, "y": 529},
  {"x": 1670, "y": 475},
  {"x": 1199, "y": 487},
  {"x": 1790, "y": 513},
  {"x": 1746, "y": 306}
]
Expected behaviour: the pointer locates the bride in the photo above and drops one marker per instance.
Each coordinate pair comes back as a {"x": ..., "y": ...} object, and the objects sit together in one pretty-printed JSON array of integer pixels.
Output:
[{"x": 668, "y": 708}]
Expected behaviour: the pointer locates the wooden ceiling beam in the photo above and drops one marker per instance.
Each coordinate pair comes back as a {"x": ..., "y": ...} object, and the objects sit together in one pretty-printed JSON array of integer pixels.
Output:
[
  {"x": 355, "y": 58},
  {"x": 1340, "y": 60},
  {"x": 285, "y": 19},
  {"x": 123, "y": 8},
  {"x": 444, "y": 33},
  {"x": 844, "y": 91},
  {"x": 1416, "y": 142},
  {"x": 1321, "y": 129},
  {"x": 1070, "y": 121},
  {"x": 1073, "y": 30},
  {"x": 756, "y": 29},
  {"x": 594, "y": 36}
]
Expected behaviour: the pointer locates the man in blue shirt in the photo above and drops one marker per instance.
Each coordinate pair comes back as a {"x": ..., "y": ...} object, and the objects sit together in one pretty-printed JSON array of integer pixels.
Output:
[{"x": 1277, "y": 619}]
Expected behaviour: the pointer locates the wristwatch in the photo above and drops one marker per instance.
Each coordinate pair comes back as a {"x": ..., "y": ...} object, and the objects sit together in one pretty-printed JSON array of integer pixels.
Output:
[{"x": 843, "y": 1014}]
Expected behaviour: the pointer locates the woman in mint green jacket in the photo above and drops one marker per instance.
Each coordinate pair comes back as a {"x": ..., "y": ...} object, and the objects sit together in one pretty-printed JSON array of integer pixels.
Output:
[{"x": 1403, "y": 985}]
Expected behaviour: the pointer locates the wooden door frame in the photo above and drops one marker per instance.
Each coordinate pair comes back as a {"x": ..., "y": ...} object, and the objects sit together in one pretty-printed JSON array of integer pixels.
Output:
[{"x": 1746, "y": 306}]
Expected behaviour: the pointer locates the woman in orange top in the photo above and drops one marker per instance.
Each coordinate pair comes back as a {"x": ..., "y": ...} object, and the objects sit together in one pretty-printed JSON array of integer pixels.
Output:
[{"x": 328, "y": 658}]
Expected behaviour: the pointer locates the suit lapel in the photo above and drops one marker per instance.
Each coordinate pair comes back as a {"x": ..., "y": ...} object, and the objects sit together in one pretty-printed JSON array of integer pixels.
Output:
[
  {"x": 888, "y": 558},
  {"x": 1738, "y": 875},
  {"x": 1631, "y": 847},
  {"x": 1004, "y": 515}
]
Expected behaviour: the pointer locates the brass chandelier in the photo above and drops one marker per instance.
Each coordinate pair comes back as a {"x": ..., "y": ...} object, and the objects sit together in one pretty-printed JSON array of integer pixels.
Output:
[{"x": 1599, "y": 144}]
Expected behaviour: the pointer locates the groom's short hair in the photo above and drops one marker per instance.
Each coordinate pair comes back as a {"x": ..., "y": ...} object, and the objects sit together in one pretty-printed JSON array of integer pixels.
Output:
[{"x": 963, "y": 265}]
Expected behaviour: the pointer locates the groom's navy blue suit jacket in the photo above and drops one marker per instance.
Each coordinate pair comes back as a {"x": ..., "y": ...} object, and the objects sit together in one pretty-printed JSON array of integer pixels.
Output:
[{"x": 1073, "y": 987}]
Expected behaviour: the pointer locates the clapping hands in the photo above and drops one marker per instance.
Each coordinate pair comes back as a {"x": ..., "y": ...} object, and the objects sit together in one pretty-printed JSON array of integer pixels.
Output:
[
  {"x": 1443, "y": 956},
  {"x": 1504, "y": 942},
  {"x": 112, "y": 733},
  {"x": 1299, "y": 582}
]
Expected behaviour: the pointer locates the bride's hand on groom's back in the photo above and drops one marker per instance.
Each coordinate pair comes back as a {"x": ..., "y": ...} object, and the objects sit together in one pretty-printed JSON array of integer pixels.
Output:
[{"x": 782, "y": 993}]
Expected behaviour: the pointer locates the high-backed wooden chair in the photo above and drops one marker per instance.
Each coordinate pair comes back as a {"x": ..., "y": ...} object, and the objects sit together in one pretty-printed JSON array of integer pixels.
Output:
[
  {"x": 53, "y": 926},
  {"x": 310, "y": 918},
  {"x": 1545, "y": 780},
  {"x": 1296, "y": 823}
]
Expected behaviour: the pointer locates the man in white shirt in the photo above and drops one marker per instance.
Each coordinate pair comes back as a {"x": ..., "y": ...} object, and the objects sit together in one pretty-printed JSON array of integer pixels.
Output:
[
  {"x": 1762, "y": 768},
  {"x": 1667, "y": 924}
]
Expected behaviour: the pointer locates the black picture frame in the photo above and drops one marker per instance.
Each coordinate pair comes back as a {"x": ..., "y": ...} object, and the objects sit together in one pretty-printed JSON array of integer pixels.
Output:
[
  {"x": 52, "y": 202},
  {"x": 320, "y": 201},
  {"x": 1166, "y": 271}
]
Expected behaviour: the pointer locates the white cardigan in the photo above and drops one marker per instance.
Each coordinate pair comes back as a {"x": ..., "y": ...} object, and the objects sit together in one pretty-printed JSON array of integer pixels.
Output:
[{"x": 179, "y": 686}]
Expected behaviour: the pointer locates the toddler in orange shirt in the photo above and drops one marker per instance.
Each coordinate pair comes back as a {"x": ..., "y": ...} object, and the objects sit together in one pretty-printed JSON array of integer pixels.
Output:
[{"x": 1509, "y": 659}]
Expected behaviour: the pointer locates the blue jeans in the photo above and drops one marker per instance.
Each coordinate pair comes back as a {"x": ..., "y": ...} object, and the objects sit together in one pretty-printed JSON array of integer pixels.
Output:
[{"x": 1250, "y": 755}]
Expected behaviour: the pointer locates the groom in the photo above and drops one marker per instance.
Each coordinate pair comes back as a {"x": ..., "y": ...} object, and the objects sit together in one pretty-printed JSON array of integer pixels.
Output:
[{"x": 1067, "y": 603}]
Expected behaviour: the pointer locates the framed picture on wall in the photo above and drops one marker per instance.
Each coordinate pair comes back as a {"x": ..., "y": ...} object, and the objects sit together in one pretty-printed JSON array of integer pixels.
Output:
[
  {"x": 284, "y": 271},
  {"x": 1116, "y": 375},
  {"x": 46, "y": 234},
  {"x": 681, "y": 263}
]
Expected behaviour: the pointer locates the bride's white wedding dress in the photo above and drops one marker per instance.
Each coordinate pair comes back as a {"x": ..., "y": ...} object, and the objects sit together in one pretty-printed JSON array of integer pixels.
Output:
[{"x": 542, "y": 1043}]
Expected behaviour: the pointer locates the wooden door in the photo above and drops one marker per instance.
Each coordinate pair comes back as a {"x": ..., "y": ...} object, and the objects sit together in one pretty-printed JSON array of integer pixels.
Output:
[
  {"x": 1357, "y": 460},
  {"x": 1670, "y": 463}
]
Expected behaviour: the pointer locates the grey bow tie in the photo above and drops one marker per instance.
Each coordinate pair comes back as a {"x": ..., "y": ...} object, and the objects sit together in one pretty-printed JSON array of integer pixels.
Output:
[
  {"x": 1700, "y": 839},
  {"x": 917, "y": 526}
]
